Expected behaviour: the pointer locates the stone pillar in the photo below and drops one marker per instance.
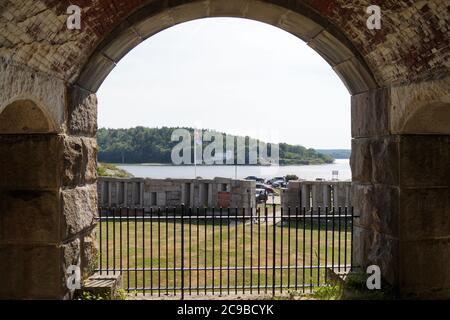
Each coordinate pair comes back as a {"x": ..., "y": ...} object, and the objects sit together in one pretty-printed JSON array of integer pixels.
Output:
[
  {"x": 141, "y": 194},
  {"x": 110, "y": 197},
  {"x": 125, "y": 193},
  {"x": 306, "y": 189},
  {"x": 48, "y": 199},
  {"x": 401, "y": 191},
  {"x": 317, "y": 195},
  {"x": 210, "y": 195},
  {"x": 326, "y": 189}
]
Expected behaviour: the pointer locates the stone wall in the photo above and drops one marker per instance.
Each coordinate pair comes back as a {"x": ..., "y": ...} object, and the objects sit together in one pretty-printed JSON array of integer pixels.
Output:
[
  {"x": 398, "y": 77},
  {"x": 315, "y": 194},
  {"x": 48, "y": 195},
  {"x": 161, "y": 193}
]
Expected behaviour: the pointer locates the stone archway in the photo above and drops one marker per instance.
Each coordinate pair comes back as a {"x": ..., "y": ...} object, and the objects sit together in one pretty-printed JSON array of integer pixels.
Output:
[{"x": 400, "y": 173}]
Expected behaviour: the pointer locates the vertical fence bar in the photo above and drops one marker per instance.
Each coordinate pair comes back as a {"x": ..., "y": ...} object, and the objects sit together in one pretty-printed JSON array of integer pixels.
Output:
[
  {"x": 120, "y": 240},
  {"x": 281, "y": 250},
  {"x": 345, "y": 237},
  {"x": 151, "y": 251},
  {"x": 266, "y": 284},
  {"x": 135, "y": 252},
  {"x": 351, "y": 244},
  {"x": 174, "y": 251},
  {"x": 190, "y": 249},
  {"x": 213, "y": 250},
  {"x": 333, "y": 227},
  {"x": 339, "y": 241},
  {"x": 259, "y": 249},
  {"x": 128, "y": 250},
  {"x": 274, "y": 252},
  {"x": 198, "y": 249},
  {"x": 251, "y": 250},
  {"x": 304, "y": 248},
  {"x": 206, "y": 250},
  {"x": 228, "y": 251},
  {"x": 318, "y": 245},
  {"x": 114, "y": 239},
  {"x": 107, "y": 241},
  {"x": 159, "y": 252},
  {"x": 289, "y": 249},
  {"x": 236, "y": 253},
  {"x": 167, "y": 250},
  {"x": 182, "y": 252},
  {"x": 220, "y": 253},
  {"x": 243, "y": 250},
  {"x": 311, "y": 255},
  {"x": 296, "y": 248},
  {"x": 101, "y": 239},
  {"x": 143, "y": 252},
  {"x": 326, "y": 243}
]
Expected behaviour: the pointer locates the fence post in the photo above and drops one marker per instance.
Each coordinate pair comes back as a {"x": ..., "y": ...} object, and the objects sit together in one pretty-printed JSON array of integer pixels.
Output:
[{"x": 182, "y": 252}]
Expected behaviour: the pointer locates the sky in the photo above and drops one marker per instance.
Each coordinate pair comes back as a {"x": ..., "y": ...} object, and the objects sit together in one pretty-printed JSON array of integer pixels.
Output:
[{"x": 237, "y": 76}]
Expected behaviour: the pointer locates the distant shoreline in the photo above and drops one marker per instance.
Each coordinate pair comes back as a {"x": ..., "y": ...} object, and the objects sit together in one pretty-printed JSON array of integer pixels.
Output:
[{"x": 219, "y": 165}]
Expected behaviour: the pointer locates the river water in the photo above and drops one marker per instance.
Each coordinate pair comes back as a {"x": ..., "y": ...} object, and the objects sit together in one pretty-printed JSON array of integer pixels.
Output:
[{"x": 310, "y": 172}]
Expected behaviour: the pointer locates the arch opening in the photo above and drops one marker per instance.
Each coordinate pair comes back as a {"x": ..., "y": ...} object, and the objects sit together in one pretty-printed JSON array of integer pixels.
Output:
[
  {"x": 320, "y": 35},
  {"x": 24, "y": 117}
]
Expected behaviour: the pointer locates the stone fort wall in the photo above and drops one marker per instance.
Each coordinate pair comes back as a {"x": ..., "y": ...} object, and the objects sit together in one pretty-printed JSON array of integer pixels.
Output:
[{"x": 162, "y": 193}]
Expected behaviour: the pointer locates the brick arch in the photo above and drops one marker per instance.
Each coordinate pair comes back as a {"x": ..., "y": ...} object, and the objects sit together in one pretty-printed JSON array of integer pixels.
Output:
[
  {"x": 35, "y": 34},
  {"x": 400, "y": 185},
  {"x": 304, "y": 23}
]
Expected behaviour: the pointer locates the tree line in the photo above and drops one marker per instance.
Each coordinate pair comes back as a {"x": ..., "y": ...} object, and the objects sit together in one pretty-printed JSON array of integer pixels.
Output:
[{"x": 154, "y": 145}]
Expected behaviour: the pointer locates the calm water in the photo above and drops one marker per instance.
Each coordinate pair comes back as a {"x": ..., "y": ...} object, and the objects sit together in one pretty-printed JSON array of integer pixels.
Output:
[{"x": 209, "y": 172}]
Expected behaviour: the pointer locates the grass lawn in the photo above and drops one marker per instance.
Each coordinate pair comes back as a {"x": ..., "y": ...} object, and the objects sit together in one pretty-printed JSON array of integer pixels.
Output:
[{"x": 245, "y": 245}]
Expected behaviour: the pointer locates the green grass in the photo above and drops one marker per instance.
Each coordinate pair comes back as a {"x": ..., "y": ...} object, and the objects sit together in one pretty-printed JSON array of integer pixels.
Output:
[{"x": 165, "y": 251}]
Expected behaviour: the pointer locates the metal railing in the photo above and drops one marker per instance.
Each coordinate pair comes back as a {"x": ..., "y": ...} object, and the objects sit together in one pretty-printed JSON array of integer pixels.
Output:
[{"x": 178, "y": 251}]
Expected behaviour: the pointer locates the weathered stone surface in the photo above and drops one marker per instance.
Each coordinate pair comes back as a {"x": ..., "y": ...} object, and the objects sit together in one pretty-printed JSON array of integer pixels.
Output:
[
  {"x": 29, "y": 162},
  {"x": 361, "y": 160},
  {"x": 385, "y": 160},
  {"x": 419, "y": 28},
  {"x": 79, "y": 210},
  {"x": 377, "y": 208},
  {"x": 425, "y": 160},
  {"x": 24, "y": 117},
  {"x": 29, "y": 216},
  {"x": 370, "y": 112},
  {"x": 89, "y": 253},
  {"x": 373, "y": 248},
  {"x": 424, "y": 269},
  {"x": 299, "y": 25},
  {"x": 89, "y": 160},
  {"x": 80, "y": 161},
  {"x": 330, "y": 48},
  {"x": 82, "y": 108},
  {"x": 95, "y": 72},
  {"x": 31, "y": 272},
  {"x": 355, "y": 76},
  {"x": 421, "y": 108},
  {"x": 375, "y": 160},
  {"x": 425, "y": 213},
  {"x": 47, "y": 92},
  {"x": 126, "y": 40}
]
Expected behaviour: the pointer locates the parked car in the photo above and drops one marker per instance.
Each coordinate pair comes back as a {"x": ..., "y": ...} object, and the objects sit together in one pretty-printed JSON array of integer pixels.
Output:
[
  {"x": 277, "y": 180},
  {"x": 266, "y": 187},
  {"x": 278, "y": 183},
  {"x": 254, "y": 178}
]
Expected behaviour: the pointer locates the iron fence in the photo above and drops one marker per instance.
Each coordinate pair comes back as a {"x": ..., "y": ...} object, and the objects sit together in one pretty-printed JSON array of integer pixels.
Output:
[{"x": 178, "y": 251}]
